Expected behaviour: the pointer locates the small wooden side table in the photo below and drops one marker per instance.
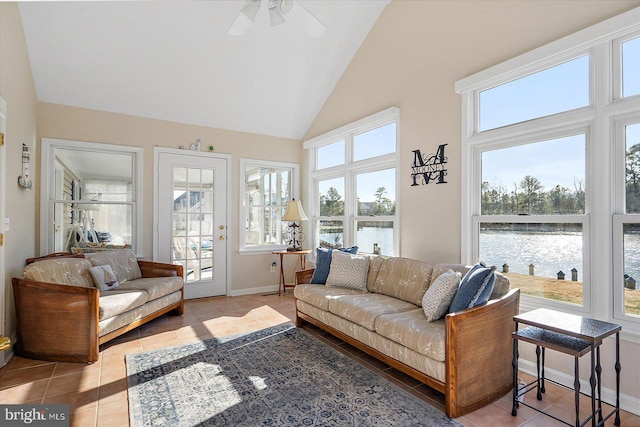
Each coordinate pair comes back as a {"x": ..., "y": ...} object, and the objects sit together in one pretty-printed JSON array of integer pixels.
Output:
[
  {"x": 573, "y": 335},
  {"x": 303, "y": 264}
]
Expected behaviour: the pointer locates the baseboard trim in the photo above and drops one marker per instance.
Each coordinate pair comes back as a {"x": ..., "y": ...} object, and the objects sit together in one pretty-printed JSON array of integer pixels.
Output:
[
  {"x": 628, "y": 403},
  {"x": 260, "y": 290}
]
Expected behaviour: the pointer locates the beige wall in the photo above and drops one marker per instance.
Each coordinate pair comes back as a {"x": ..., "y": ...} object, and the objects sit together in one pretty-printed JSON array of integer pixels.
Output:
[
  {"x": 411, "y": 59},
  {"x": 17, "y": 88},
  {"x": 247, "y": 271}
]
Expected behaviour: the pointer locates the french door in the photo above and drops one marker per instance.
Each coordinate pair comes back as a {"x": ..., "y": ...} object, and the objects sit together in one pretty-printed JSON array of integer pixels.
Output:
[{"x": 192, "y": 218}]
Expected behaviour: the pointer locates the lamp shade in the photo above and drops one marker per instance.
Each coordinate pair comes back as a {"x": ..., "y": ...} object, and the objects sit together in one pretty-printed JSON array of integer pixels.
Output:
[{"x": 294, "y": 211}]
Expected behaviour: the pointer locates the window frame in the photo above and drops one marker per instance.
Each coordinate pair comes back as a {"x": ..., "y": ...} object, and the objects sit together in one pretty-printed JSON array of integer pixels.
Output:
[
  {"x": 604, "y": 171},
  {"x": 244, "y": 209},
  {"x": 349, "y": 170},
  {"x": 48, "y": 194}
]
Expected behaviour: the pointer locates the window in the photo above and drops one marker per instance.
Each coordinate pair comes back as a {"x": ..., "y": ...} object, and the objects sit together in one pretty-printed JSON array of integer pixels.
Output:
[
  {"x": 559, "y": 88},
  {"x": 266, "y": 189},
  {"x": 551, "y": 156},
  {"x": 631, "y": 67},
  {"x": 90, "y": 204},
  {"x": 354, "y": 185}
]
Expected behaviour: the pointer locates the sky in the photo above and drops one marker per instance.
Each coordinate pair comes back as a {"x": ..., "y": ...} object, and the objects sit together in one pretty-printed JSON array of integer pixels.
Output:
[{"x": 561, "y": 88}]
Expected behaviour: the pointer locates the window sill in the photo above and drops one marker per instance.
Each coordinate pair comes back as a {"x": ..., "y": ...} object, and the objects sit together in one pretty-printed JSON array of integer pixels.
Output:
[{"x": 261, "y": 250}]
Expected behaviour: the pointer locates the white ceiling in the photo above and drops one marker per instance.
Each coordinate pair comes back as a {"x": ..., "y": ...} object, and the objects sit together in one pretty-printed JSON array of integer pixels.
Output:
[{"x": 173, "y": 60}]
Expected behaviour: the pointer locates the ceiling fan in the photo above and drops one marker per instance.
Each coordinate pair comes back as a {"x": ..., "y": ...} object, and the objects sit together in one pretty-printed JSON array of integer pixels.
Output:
[{"x": 278, "y": 10}]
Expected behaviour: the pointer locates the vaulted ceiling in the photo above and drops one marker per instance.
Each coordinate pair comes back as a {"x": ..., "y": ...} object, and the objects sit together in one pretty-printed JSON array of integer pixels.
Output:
[{"x": 174, "y": 60}]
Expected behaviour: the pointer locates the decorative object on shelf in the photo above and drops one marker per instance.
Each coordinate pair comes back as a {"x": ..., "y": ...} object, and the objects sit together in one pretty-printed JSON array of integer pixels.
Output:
[
  {"x": 430, "y": 167},
  {"x": 195, "y": 146},
  {"x": 294, "y": 214},
  {"x": 24, "y": 179},
  {"x": 211, "y": 148}
]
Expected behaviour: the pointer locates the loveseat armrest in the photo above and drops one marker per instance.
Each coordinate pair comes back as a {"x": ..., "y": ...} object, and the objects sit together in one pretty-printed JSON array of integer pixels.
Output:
[
  {"x": 56, "y": 322},
  {"x": 304, "y": 276},
  {"x": 159, "y": 269},
  {"x": 478, "y": 357}
]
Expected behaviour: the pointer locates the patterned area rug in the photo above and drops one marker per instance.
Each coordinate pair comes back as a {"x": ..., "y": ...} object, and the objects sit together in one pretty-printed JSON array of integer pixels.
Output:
[{"x": 279, "y": 376}]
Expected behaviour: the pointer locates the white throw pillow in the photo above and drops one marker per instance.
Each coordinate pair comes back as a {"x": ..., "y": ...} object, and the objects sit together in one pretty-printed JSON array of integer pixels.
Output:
[
  {"x": 437, "y": 299},
  {"x": 104, "y": 277},
  {"x": 348, "y": 271}
]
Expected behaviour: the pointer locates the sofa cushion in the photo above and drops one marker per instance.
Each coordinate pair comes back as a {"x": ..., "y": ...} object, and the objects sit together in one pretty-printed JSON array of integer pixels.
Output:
[
  {"x": 320, "y": 295},
  {"x": 403, "y": 278},
  {"x": 411, "y": 329},
  {"x": 323, "y": 263},
  {"x": 156, "y": 287},
  {"x": 112, "y": 323},
  {"x": 437, "y": 299},
  {"x": 364, "y": 309},
  {"x": 63, "y": 271},
  {"x": 120, "y": 301},
  {"x": 375, "y": 262},
  {"x": 104, "y": 277},
  {"x": 123, "y": 262},
  {"x": 475, "y": 288},
  {"x": 348, "y": 271}
]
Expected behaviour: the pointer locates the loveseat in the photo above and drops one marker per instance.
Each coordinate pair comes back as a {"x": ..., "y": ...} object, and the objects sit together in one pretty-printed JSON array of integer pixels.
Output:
[
  {"x": 466, "y": 355},
  {"x": 63, "y": 315}
]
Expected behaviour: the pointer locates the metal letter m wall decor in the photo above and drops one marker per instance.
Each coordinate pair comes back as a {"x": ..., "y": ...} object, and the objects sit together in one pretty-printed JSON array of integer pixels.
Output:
[{"x": 426, "y": 169}]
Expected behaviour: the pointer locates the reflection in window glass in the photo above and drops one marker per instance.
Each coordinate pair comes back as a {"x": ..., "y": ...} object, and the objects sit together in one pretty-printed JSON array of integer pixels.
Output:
[
  {"x": 631, "y": 261},
  {"x": 543, "y": 178},
  {"x": 631, "y": 67},
  {"x": 331, "y": 155},
  {"x": 554, "y": 90},
  {"x": 375, "y": 237},
  {"x": 267, "y": 190},
  {"x": 375, "y": 142},
  {"x": 632, "y": 180},
  {"x": 376, "y": 193},
  {"x": 536, "y": 257},
  {"x": 93, "y": 223},
  {"x": 330, "y": 234},
  {"x": 331, "y": 197}
]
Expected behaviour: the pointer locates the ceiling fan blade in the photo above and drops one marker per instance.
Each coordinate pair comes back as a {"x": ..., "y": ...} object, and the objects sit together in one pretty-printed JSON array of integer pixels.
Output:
[
  {"x": 301, "y": 16},
  {"x": 246, "y": 17}
]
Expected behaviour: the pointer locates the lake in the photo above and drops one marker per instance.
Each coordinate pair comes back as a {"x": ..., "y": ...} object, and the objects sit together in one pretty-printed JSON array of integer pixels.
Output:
[{"x": 548, "y": 252}]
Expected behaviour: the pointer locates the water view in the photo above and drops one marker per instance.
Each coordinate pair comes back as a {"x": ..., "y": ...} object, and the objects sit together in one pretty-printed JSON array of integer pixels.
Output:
[{"x": 548, "y": 252}]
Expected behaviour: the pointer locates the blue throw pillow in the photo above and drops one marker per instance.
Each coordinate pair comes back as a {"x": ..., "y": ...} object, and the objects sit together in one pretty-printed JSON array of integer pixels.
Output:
[
  {"x": 475, "y": 288},
  {"x": 323, "y": 263}
]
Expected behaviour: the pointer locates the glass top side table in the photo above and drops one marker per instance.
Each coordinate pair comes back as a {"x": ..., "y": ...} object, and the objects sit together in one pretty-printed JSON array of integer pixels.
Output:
[{"x": 573, "y": 335}]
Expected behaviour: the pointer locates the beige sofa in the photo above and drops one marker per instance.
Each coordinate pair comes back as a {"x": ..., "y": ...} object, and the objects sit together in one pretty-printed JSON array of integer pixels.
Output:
[
  {"x": 63, "y": 316},
  {"x": 466, "y": 356}
]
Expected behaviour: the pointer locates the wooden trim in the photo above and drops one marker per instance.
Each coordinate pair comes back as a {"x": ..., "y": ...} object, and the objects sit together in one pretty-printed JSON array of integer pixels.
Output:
[
  {"x": 53, "y": 256},
  {"x": 478, "y": 358}
]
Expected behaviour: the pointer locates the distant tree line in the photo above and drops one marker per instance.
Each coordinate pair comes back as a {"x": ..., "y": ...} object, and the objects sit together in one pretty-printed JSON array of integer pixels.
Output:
[
  {"x": 528, "y": 197},
  {"x": 331, "y": 204}
]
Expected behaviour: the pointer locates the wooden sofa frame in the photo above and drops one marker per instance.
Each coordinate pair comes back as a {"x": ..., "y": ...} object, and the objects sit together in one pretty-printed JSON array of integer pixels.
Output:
[
  {"x": 478, "y": 352},
  {"x": 60, "y": 322}
]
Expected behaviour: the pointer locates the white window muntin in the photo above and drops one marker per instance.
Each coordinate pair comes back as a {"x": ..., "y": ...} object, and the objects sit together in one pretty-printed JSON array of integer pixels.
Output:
[
  {"x": 620, "y": 217},
  {"x": 295, "y": 191},
  {"x": 616, "y": 76},
  {"x": 349, "y": 170}
]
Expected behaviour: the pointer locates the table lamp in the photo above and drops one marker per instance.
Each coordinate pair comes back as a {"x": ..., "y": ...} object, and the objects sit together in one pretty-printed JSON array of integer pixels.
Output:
[{"x": 294, "y": 214}]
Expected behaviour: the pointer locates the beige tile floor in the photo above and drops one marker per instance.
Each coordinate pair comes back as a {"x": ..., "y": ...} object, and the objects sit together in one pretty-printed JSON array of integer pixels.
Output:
[{"x": 97, "y": 393}]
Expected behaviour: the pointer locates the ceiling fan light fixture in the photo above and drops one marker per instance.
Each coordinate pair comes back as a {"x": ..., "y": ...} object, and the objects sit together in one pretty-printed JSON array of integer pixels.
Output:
[
  {"x": 274, "y": 13},
  {"x": 251, "y": 9}
]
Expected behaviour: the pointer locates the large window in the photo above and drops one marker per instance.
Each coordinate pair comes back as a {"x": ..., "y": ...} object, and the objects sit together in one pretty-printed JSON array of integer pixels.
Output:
[
  {"x": 551, "y": 156},
  {"x": 266, "y": 189},
  {"x": 353, "y": 184},
  {"x": 90, "y": 205}
]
